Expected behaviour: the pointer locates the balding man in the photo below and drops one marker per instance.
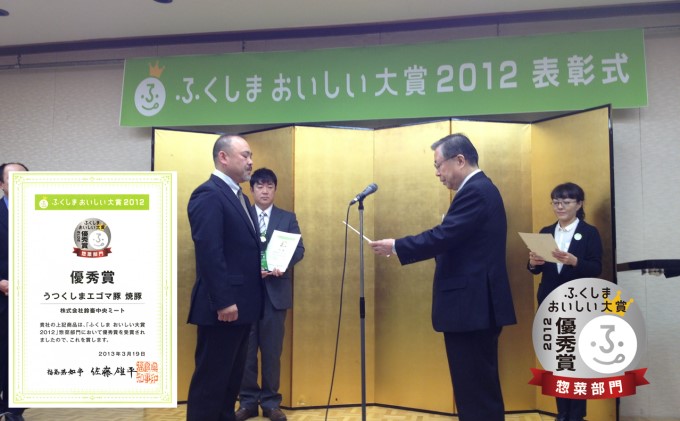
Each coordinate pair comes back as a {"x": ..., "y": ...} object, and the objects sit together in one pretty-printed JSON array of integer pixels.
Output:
[{"x": 227, "y": 296}]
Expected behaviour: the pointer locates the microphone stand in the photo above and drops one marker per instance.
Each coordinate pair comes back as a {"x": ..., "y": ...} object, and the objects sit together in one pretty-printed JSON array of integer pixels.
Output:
[{"x": 362, "y": 309}]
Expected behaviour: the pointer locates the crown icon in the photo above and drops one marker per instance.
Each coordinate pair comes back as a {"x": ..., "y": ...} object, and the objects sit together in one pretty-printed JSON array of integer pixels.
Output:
[
  {"x": 617, "y": 306},
  {"x": 156, "y": 71}
]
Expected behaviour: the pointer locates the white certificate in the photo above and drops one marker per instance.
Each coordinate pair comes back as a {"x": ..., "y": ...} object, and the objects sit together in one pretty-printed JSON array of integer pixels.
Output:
[
  {"x": 541, "y": 244},
  {"x": 93, "y": 289},
  {"x": 280, "y": 249}
]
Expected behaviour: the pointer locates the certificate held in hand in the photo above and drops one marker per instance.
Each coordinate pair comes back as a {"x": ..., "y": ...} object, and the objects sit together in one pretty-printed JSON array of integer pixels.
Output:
[
  {"x": 280, "y": 249},
  {"x": 541, "y": 244}
]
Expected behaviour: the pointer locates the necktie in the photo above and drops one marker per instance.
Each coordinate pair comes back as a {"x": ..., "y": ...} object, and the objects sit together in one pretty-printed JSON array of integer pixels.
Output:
[
  {"x": 245, "y": 207},
  {"x": 263, "y": 226},
  {"x": 263, "y": 223}
]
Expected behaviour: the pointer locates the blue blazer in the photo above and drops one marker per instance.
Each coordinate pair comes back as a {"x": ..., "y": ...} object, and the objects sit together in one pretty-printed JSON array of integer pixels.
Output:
[
  {"x": 588, "y": 251},
  {"x": 227, "y": 256},
  {"x": 280, "y": 290},
  {"x": 471, "y": 289}
]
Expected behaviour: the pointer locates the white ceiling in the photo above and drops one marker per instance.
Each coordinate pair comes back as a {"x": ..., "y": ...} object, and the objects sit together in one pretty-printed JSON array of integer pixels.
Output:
[{"x": 33, "y": 22}]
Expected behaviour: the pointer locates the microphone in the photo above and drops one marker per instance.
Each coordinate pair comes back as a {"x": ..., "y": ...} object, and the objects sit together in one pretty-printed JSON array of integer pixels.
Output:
[{"x": 367, "y": 191}]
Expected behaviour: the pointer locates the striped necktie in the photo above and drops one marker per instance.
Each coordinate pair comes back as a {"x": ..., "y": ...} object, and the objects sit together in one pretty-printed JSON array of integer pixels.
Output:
[{"x": 263, "y": 223}]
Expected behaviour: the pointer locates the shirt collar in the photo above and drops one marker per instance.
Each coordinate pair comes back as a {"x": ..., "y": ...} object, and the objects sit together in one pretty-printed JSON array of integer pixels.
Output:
[
  {"x": 468, "y": 177},
  {"x": 231, "y": 183},
  {"x": 268, "y": 211},
  {"x": 569, "y": 227}
]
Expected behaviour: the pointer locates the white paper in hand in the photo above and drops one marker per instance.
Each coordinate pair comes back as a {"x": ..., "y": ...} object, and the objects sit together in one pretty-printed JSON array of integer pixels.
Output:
[{"x": 541, "y": 244}]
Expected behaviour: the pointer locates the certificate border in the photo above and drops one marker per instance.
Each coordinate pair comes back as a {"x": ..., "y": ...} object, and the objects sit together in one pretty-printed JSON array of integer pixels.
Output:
[{"x": 164, "y": 185}]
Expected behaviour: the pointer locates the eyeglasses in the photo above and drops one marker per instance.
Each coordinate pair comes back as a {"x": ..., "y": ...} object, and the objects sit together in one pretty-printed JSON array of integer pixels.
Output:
[
  {"x": 438, "y": 165},
  {"x": 563, "y": 203}
]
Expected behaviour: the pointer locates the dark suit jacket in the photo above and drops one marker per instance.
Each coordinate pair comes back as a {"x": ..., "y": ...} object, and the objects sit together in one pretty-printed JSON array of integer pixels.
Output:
[
  {"x": 227, "y": 256},
  {"x": 280, "y": 289},
  {"x": 471, "y": 289},
  {"x": 4, "y": 250},
  {"x": 588, "y": 251}
]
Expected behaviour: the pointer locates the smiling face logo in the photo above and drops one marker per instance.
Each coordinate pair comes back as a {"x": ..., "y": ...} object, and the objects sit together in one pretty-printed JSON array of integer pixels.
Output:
[
  {"x": 608, "y": 344},
  {"x": 98, "y": 239},
  {"x": 587, "y": 328},
  {"x": 588, "y": 341},
  {"x": 150, "y": 93},
  {"x": 92, "y": 237}
]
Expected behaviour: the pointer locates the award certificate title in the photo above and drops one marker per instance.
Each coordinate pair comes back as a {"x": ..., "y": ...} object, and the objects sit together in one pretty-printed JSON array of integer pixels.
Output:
[{"x": 92, "y": 289}]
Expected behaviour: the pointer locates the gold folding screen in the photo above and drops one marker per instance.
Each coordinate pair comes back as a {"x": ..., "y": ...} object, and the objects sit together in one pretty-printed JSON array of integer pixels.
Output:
[
  {"x": 331, "y": 167},
  {"x": 411, "y": 367},
  {"x": 320, "y": 170},
  {"x": 576, "y": 148},
  {"x": 190, "y": 155}
]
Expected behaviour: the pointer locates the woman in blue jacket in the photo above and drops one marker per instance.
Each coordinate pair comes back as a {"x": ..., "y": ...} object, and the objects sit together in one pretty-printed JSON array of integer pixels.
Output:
[{"x": 580, "y": 256}]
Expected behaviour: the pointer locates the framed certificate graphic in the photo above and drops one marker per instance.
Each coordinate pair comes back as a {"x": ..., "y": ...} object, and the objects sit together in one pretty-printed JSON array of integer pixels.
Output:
[{"x": 93, "y": 289}]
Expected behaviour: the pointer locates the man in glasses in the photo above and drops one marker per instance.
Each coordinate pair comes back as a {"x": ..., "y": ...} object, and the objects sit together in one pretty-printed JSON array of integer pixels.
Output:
[{"x": 471, "y": 301}]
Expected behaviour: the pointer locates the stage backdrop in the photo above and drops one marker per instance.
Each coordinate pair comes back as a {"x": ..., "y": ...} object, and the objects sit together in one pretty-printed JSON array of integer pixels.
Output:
[{"x": 320, "y": 169}]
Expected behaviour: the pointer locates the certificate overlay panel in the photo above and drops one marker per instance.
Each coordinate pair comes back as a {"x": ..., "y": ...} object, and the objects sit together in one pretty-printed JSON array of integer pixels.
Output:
[{"x": 93, "y": 289}]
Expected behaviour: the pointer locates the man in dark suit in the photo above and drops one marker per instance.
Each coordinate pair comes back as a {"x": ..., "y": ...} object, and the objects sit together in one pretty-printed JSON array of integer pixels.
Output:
[
  {"x": 227, "y": 296},
  {"x": 11, "y": 414},
  {"x": 471, "y": 299},
  {"x": 267, "y": 334}
]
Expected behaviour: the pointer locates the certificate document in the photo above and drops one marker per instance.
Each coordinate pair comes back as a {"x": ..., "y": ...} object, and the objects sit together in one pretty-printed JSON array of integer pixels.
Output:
[
  {"x": 541, "y": 244},
  {"x": 93, "y": 289},
  {"x": 280, "y": 249}
]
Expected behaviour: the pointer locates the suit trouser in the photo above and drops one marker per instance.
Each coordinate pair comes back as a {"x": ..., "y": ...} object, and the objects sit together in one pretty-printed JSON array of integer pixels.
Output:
[
  {"x": 220, "y": 358},
  {"x": 473, "y": 363},
  {"x": 571, "y": 409},
  {"x": 267, "y": 335},
  {"x": 4, "y": 364}
]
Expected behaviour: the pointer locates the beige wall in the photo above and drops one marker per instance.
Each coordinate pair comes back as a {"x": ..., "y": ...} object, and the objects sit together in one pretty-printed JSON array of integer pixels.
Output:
[{"x": 58, "y": 118}]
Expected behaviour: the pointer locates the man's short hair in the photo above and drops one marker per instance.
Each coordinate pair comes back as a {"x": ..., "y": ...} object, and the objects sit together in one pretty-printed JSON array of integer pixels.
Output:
[
  {"x": 263, "y": 176},
  {"x": 2, "y": 169},
  {"x": 223, "y": 143}
]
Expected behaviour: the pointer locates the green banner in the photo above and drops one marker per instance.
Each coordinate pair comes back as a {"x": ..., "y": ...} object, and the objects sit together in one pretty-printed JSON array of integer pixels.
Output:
[
  {"x": 91, "y": 202},
  {"x": 556, "y": 72}
]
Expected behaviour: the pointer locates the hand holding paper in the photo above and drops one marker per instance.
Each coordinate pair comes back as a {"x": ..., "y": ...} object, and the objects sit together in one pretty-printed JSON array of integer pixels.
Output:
[
  {"x": 380, "y": 247},
  {"x": 541, "y": 244},
  {"x": 383, "y": 247}
]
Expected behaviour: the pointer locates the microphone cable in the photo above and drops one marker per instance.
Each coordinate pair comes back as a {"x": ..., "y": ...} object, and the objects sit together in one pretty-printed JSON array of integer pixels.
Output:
[{"x": 337, "y": 335}]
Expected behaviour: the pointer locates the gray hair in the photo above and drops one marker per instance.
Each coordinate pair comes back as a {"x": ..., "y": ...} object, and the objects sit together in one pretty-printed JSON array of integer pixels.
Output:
[{"x": 457, "y": 144}]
